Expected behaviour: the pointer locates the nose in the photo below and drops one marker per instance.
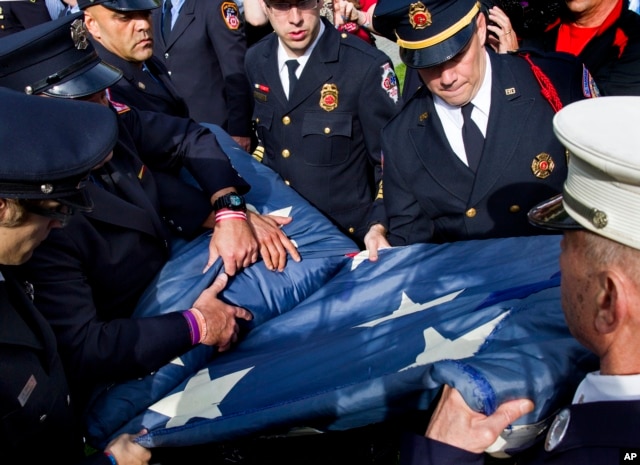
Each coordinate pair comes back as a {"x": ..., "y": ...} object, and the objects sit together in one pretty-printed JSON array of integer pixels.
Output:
[
  {"x": 294, "y": 15},
  {"x": 448, "y": 75}
]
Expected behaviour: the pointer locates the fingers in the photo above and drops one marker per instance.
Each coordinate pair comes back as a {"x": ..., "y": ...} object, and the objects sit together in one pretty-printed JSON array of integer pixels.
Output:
[
  {"x": 374, "y": 240},
  {"x": 274, "y": 255},
  {"x": 218, "y": 284},
  {"x": 288, "y": 245},
  {"x": 274, "y": 243},
  {"x": 230, "y": 267},
  {"x": 244, "y": 314},
  {"x": 213, "y": 256}
]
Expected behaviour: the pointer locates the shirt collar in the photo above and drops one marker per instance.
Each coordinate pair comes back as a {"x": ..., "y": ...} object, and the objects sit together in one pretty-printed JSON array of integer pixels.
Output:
[{"x": 596, "y": 387}]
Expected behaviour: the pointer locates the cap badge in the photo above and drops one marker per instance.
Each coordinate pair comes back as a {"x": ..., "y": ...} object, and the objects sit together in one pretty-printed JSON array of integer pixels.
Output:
[
  {"x": 599, "y": 218},
  {"x": 329, "y": 97},
  {"x": 46, "y": 188},
  {"x": 557, "y": 430},
  {"x": 419, "y": 16},
  {"x": 542, "y": 165},
  {"x": 79, "y": 34}
]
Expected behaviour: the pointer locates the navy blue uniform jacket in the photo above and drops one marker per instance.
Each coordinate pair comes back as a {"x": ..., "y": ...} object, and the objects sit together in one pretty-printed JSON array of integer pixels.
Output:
[
  {"x": 16, "y": 16},
  {"x": 432, "y": 196},
  {"x": 150, "y": 90},
  {"x": 90, "y": 274},
  {"x": 205, "y": 57},
  {"x": 36, "y": 417},
  {"x": 325, "y": 140},
  {"x": 596, "y": 435}
]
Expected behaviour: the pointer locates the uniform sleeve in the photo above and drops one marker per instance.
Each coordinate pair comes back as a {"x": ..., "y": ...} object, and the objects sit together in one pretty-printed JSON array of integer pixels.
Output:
[
  {"x": 379, "y": 101},
  {"x": 166, "y": 143},
  {"x": 419, "y": 450},
  {"x": 227, "y": 36},
  {"x": 92, "y": 348}
]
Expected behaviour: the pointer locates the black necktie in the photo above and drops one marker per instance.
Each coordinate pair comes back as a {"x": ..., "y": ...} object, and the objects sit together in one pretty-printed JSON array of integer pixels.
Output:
[
  {"x": 292, "y": 65},
  {"x": 166, "y": 19},
  {"x": 472, "y": 138}
]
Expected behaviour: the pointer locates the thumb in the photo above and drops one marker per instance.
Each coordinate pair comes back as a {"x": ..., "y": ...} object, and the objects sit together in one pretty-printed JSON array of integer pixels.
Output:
[
  {"x": 142, "y": 432},
  {"x": 219, "y": 283},
  {"x": 510, "y": 411}
]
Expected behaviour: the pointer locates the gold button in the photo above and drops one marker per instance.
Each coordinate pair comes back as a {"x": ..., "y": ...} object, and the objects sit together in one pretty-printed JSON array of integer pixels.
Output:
[
  {"x": 286, "y": 153},
  {"x": 343, "y": 35},
  {"x": 514, "y": 208},
  {"x": 327, "y": 130},
  {"x": 352, "y": 230},
  {"x": 287, "y": 182},
  {"x": 471, "y": 212},
  {"x": 257, "y": 120},
  {"x": 286, "y": 120}
]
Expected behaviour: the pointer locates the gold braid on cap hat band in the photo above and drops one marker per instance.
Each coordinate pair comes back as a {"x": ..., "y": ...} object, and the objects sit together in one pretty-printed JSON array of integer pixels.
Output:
[{"x": 444, "y": 35}]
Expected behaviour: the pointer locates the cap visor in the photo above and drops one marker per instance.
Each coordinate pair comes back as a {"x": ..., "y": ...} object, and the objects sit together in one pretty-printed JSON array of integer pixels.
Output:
[
  {"x": 132, "y": 5},
  {"x": 438, "y": 53},
  {"x": 551, "y": 214},
  {"x": 88, "y": 82}
]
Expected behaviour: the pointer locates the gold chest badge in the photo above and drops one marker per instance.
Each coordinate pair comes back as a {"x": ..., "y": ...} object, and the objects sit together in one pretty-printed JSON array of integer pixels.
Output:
[
  {"x": 329, "y": 97},
  {"x": 542, "y": 165}
]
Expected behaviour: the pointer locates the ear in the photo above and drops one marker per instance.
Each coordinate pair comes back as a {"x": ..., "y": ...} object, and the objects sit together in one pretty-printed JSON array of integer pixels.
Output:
[
  {"x": 481, "y": 27},
  {"x": 612, "y": 301},
  {"x": 92, "y": 25},
  {"x": 4, "y": 208}
]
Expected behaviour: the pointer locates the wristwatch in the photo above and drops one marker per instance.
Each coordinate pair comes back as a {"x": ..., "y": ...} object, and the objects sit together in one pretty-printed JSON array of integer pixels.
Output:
[{"x": 232, "y": 201}]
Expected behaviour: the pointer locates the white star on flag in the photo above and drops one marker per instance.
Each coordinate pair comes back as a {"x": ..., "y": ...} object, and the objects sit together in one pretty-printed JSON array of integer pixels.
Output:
[
  {"x": 407, "y": 307},
  {"x": 437, "y": 347},
  {"x": 200, "y": 391}
]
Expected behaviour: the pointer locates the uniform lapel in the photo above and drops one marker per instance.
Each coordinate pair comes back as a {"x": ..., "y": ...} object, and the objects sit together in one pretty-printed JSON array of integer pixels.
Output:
[
  {"x": 185, "y": 17},
  {"x": 502, "y": 139},
  {"x": 130, "y": 206},
  {"x": 269, "y": 72},
  {"x": 435, "y": 153},
  {"x": 20, "y": 323}
]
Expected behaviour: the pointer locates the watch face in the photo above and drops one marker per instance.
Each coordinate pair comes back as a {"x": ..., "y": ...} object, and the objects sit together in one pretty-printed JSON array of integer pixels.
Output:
[{"x": 235, "y": 200}]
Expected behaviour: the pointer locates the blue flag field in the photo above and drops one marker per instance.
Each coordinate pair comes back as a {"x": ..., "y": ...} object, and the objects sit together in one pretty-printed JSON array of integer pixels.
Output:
[{"x": 339, "y": 342}]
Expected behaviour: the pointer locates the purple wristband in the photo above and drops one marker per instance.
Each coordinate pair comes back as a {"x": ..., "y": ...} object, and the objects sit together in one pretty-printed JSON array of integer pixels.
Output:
[{"x": 194, "y": 329}]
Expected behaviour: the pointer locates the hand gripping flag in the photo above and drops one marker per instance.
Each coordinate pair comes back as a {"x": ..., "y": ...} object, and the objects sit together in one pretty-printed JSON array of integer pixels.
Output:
[{"x": 375, "y": 341}]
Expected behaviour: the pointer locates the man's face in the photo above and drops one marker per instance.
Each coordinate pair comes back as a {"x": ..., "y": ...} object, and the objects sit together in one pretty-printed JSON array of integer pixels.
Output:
[
  {"x": 296, "y": 27},
  {"x": 579, "y": 7},
  {"x": 458, "y": 80},
  {"x": 127, "y": 34},
  {"x": 17, "y": 242},
  {"x": 577, "y": 289}
]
